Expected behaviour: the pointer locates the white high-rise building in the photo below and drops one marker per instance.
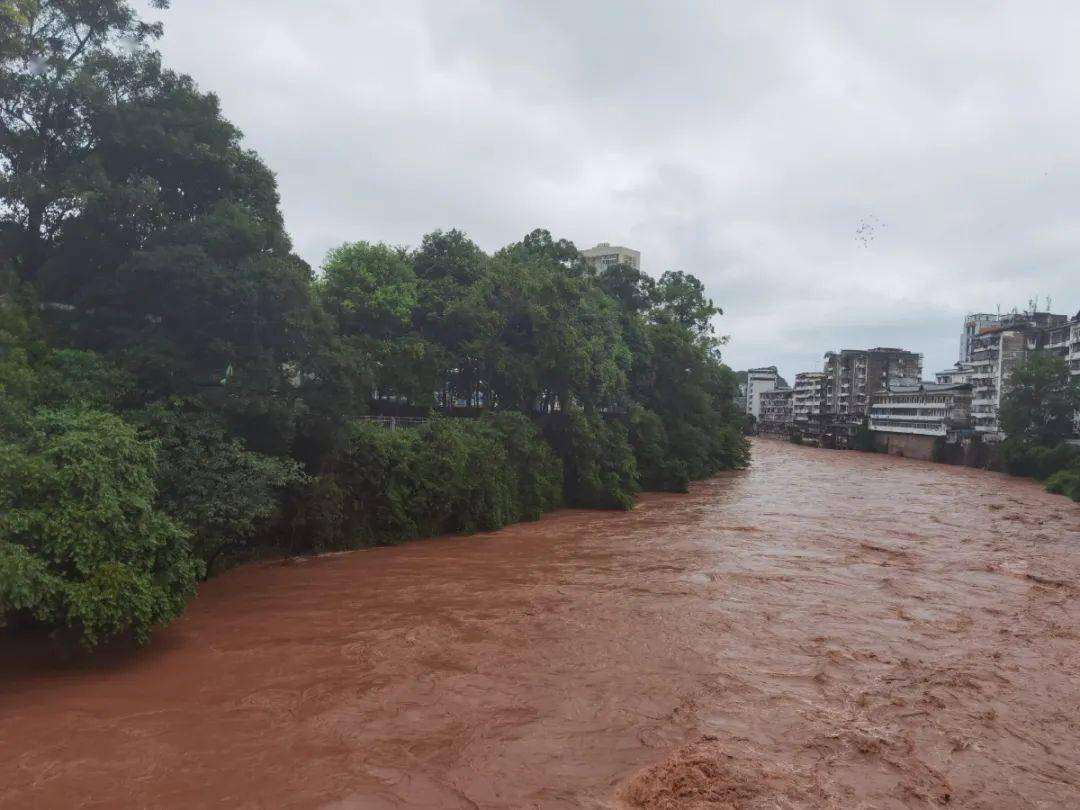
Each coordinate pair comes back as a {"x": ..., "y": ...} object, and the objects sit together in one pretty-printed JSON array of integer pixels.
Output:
[{"x": 759, "y": 380}]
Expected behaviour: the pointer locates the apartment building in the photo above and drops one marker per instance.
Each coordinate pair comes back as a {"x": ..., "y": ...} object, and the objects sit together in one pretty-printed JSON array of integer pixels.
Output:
[
  {"x": 855, "y": 375},
  {"x": 1074, "y": 346},
  {"x": 974, "y": 323},
  {"x": 758, "y": 381},
  {"x": 960, "y": 373},
  {"x": 999, "y": 348},
  {"x": 604, "y": 255},
  {"x": 907, "y": 419},
  {"x": 1064, "y": 341},
  {"x": 776, "y": 411}
]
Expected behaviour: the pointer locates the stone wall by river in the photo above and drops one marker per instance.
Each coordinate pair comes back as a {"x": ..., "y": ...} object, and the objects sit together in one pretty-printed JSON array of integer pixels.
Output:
[{"x": 826, "y": 629}]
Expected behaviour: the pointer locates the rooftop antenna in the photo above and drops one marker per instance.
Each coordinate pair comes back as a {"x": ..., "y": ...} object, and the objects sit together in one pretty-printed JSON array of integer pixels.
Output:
[{"x": 1049, "y": 308}]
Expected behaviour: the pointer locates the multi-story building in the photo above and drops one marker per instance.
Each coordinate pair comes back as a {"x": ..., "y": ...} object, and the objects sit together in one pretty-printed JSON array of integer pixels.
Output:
[
  {"x": 855, "y": 375},
  {"x": 999, "y": 348},
  {"x": 1074, "y": 346},
  {"x": 740, "y": 398},
  {"x": 907, "y": 419},
  {"x": 604, "y": 255},
  {"x": 974, "y": 323},
  {"x": 810, "y": 404},
  {"x": 758, "y": 381},
  {"x": 1064, "y": 341},
  {"x": 776, "y": 411},
  {"x": 810, "y": 397},
  {"x": 960, "y": 373}
]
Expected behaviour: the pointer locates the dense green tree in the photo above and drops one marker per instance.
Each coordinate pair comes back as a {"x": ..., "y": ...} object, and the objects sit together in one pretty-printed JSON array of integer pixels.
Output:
[
  {"x": 82, "y": 545},
  {"x": 1041, "y": 401},
  {"x": 681, "y": 300},
  {"x": 1038, "y": 413},
  {"x": 210, "y": 482},
  {"x": 156, "y": 320},
  {"x": 600, "y": 468},
  {"x": 658, "y": 468},
  {"x": 143, "y": 226},
  {"x": 633, "y": 290}
]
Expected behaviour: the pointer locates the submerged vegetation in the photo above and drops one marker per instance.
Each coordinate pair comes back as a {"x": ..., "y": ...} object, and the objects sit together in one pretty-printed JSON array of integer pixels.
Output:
[{"x": 179, "y": 390}]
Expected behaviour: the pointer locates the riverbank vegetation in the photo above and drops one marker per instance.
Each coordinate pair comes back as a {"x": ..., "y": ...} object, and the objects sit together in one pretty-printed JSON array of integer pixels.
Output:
[
  {"x": 179, "y": 390},
  {"x": 1037, "y": 416}
]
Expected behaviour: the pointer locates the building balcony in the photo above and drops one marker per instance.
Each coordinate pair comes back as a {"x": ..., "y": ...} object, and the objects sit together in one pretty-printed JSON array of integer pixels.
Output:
[{"x": 916, "y": 428}]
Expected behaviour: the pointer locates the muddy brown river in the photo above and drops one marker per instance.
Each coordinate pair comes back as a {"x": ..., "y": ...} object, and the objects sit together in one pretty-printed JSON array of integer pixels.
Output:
[{"x": 825, "y": 629}]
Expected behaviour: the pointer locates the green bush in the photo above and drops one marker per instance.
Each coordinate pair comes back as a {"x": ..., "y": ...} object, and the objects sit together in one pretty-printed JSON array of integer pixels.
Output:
[
  {"x": 1065, "y": 482},
  {"x": 83, "y": 548},
  {"x": 729, "y": 451},
  {"x": 448, "y": 475},
  {"x": 795, "y": 436},
  {"x": 317, "y": 517},
  {"x": 864, "y": 438},
  {"x": 537, "y": 470},
  {"x": 600, "y": 470},
  {"x": 1022, "y": 457},
  {"x": 211, "y": 483},
  {"x": 657, "y": 468},
  {"x": 460, "y": 478}
]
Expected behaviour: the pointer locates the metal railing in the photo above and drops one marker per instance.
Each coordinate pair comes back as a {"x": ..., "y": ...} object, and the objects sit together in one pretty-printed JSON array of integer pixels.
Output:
[{"x": 394, "y": 422}]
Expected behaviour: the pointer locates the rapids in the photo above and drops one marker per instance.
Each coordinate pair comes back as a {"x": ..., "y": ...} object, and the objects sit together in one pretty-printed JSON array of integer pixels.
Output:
[{"x": 825, "y": 629}]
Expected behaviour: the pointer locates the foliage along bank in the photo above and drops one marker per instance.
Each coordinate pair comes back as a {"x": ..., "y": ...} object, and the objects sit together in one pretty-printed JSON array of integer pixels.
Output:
[
  {"x": 179, "y": 390},
  {"x": 1038, "y": 416}
]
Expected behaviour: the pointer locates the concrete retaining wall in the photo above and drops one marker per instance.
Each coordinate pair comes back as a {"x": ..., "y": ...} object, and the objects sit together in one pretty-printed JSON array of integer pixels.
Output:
[{"x": 907, "y": 445}]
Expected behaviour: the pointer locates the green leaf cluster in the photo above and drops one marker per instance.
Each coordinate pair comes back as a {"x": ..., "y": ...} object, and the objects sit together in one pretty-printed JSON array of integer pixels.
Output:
[
  {"x": 1038, "y": 414},
  {"x": 447, "y": 475},
  {"x": 180, "y": 391},
  {"x": 83, "y": 546}
]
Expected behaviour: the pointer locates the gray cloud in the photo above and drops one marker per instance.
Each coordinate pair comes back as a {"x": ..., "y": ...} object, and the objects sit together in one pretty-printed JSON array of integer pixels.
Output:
[{"x": 743, "y": 143}]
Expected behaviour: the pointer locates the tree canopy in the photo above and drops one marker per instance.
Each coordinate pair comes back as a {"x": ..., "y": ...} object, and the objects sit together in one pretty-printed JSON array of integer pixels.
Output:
[
  {"x": 179, "y": 390},
  {"x": 1041, "y": 400}
]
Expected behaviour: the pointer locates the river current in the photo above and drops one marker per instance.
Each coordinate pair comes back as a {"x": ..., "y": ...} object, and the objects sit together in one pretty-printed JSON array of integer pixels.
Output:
[{"x": 825, "y": 629}]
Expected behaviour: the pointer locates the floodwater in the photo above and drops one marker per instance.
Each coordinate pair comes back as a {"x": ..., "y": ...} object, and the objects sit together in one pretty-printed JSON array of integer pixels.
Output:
[{"x": 826, "y": 629}]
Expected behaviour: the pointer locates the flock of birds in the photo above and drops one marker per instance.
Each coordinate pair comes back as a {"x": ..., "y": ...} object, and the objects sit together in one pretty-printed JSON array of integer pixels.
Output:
[{"x": 868, "y": 229}]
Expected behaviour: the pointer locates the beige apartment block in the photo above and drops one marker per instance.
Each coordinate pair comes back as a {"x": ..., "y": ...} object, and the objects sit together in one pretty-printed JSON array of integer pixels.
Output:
[{"x": 604, "y": 255}]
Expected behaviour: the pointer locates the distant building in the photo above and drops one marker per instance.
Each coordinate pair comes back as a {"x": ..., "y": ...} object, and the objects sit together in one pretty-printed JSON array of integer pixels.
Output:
[
  {"x": 758, "y": 381},
  {"x": 740, "y": 399},
  {"x": 1074, "y": 345},
  {"x": 974, "y": 323},
  {"x": 960, "y": 373},
  {"x": 605, "y": 255},
  {"x": 855, "y": 375},
  {"x": 810, "y": 403},
  {"x": 907, "y": 419},
  {"x": 1064, "y": 341},
  {"x": 999, "y": 348},
  {"x": 776, "y": 411}
]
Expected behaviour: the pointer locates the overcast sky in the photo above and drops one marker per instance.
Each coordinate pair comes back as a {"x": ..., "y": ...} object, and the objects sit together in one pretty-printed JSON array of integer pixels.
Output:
[{"x": 758, "y": 145}]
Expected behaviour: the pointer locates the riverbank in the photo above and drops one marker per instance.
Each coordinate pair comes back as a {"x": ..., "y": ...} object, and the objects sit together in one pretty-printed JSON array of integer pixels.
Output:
[{"x": 825, "y": 629}]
